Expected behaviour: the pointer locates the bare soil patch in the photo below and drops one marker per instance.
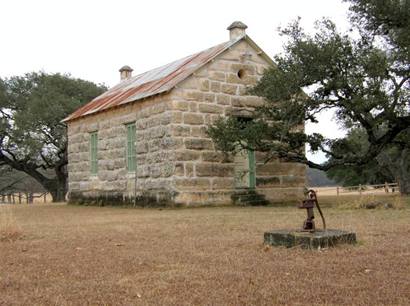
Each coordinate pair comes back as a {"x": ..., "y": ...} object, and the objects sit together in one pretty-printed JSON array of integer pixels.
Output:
[{"x": 71, "y": 255}]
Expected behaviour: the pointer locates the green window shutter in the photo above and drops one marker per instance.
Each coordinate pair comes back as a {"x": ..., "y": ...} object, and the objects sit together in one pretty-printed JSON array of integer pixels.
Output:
[
  {"x": 131, "y": 149},
  {"x": 252, "y": 170},
  {"x": 93, "y": 153}
]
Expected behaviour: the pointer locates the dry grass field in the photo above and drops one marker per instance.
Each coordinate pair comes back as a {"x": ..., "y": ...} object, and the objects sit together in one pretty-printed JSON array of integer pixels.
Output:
[
  {"x": 368, "y": 190},
  {"x": 71, "y": 255}
]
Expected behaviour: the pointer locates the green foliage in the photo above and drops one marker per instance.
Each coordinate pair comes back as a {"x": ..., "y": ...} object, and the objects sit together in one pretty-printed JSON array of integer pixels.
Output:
[
  {"x": 391, "y": 164},
  {"x": 352, "y": 175},
  {"x": 32, "y": 136},
  {"x": 389, "y": 19},
  {"x": 363, "y": 77}
]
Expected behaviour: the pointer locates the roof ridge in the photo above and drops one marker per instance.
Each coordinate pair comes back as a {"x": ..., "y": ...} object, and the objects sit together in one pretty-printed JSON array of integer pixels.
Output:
[
  {"x": 152, "y": 82},
  {"x": 182, "y": 58},
  {"x": 190, "y": 59}
]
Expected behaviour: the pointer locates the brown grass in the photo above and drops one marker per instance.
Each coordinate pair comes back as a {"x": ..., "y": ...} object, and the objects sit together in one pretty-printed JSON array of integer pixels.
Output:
[
  {"x": 345, "y": 191},
  {"x": 204, "y": 256},
  {"x": 10, "y": 230},
  {"x": 367, "y": 201}
]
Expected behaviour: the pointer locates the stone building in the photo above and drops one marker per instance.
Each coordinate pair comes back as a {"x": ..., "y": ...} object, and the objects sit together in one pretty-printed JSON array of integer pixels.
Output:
[{"x": 145, "y": 139}]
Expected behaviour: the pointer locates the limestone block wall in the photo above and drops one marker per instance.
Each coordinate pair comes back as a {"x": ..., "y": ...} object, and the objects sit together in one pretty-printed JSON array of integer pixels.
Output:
[
  {"x": 176, "y": 161},
  {"x": 280, "y": 181},
  {"x": 203, "y": 175},
  {"x": 154, "y": 154}
]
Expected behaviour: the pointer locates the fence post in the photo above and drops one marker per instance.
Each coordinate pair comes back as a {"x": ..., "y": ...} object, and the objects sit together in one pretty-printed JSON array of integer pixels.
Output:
[
  {"x": 360, "y": 189},
  {"x": 31, "y": 198},
  {"x": 3, "y": 198},
  {"x": 337, "y": 190},
  {"x": 14, "y": 200},
  {"x": 386, "y": 187},
  {"x": 9, "y": 198},
  {"x": 45, "y": 197},
  {"x": 19, "y": 197}
]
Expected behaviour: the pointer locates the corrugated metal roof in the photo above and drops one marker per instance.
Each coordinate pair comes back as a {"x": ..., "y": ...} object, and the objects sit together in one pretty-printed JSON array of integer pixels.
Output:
[{"x": 153, "y": 82}]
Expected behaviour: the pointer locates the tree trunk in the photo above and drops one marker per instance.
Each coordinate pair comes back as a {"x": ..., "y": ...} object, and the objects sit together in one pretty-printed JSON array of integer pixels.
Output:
[
  {"x": 404, "y": 186},
  {"x": 398, "y": 163},
  {"x": 57, "y": 185},
  {"x": 58, "y": 194},
  {"x": 403, "y": 172},
  {"x": 58, "y": 189}
]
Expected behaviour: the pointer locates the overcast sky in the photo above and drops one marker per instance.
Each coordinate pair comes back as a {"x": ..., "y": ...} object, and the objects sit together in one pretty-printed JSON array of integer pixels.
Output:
[{"x": 93, "y": 39}]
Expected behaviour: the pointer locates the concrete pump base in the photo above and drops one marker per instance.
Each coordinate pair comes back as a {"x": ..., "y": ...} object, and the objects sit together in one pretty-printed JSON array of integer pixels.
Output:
[{"x": 309, "y": 240}]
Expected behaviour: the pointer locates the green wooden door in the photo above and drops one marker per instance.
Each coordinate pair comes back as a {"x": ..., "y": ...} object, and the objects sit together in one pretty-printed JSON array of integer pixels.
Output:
[{"x": 252, "y": 170}]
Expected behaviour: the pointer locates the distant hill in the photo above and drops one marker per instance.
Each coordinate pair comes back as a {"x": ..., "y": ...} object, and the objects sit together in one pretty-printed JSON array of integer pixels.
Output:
[{"x": 318, "y": 178}]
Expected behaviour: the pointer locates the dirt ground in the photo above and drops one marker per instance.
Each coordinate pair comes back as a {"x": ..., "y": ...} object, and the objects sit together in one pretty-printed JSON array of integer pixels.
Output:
[{"x": 74, "y": 255}]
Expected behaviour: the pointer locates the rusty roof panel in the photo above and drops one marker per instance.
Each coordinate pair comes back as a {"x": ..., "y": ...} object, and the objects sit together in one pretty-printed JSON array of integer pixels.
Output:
[{"x": 153, "y": 82}]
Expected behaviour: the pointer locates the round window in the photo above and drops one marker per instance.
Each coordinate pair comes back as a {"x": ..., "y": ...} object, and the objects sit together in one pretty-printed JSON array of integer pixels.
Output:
[{"x": 241, "y": 73}]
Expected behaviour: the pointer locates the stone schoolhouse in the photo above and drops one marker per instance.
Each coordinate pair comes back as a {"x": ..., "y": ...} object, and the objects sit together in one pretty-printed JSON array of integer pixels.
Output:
[{"x": 145, "y": 140}]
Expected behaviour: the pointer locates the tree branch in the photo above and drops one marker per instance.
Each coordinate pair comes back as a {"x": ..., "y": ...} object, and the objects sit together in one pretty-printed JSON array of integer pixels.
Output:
[
  {"x": 28, "y": 168},
  {"x": 12, "y": 184}
]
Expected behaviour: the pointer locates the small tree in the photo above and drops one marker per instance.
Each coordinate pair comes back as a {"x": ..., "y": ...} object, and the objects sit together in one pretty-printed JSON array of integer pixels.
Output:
[
  {"x": 32, "y": 137},
  {"x": 364, "y": 80}
]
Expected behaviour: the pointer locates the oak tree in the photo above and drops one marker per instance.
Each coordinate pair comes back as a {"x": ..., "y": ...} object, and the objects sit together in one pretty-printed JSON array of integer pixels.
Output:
[
  {"x": 32, "y": 137},
  {"x": 362, "y": 75}
]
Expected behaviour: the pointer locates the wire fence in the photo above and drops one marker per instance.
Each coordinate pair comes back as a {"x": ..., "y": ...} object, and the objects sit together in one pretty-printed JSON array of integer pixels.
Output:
[
  {"x": 25, "y": 198},
  {"x": 386, "y": 188}
]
